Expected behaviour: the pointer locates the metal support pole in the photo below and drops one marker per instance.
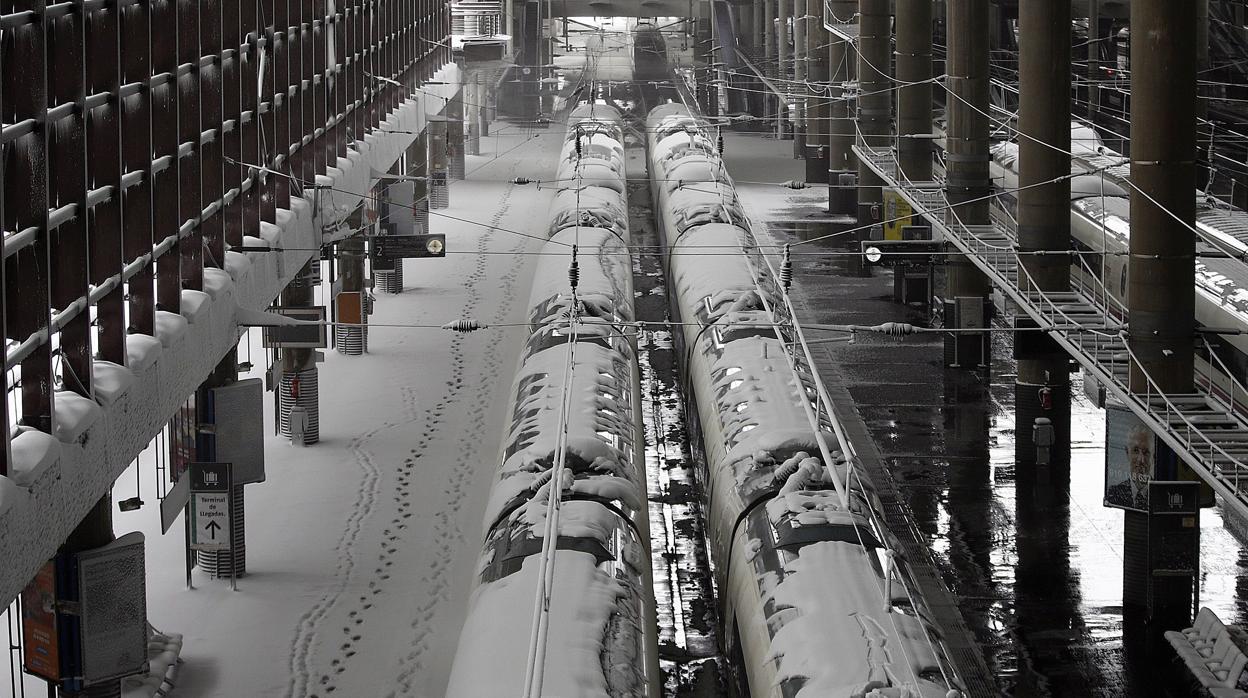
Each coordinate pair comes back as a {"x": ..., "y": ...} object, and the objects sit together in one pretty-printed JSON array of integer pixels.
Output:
[
  {"x": 1042, "y": 386},
  {"x": 783, "y": 11},
  {"x": 968, "y": 182},
  {"x": 818, "y": 103},
  {"x": 842, "y": 198},
  {"x": 1161, "y": 297},
  {"x": 875, "y": 102},
  {"x": 914, "y": 95}
]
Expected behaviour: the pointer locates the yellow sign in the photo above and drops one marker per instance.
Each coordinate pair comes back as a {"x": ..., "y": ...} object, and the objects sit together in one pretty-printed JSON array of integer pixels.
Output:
[{"x": 897, "y": 214}]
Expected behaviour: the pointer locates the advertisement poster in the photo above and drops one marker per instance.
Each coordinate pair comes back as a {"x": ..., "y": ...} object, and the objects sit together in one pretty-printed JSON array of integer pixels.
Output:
[
  {"x": 182, "y": 433},
  {"x": 40, "y": 655},
  {"x": 113, "y": 596},
  {"x": 1130, "y": 456},
  {"x": 897, "y": 214}
]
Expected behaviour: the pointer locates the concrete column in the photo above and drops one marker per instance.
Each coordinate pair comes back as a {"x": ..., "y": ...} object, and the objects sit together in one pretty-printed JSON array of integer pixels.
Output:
[
  {"x": 455, "y": 135},
  {"x": 485, "y": 97},
  {"x": 298, "y": 384},
  {"x": 1160, "y": 298},
  {"x": 769, "y": 36},
  {"x": 1094, "y": 57},
  {"x": 1204, "y": 171},
  {"x": 842, "y": 197},
  {"x": 914, "y": 103},
  {"x": 353, "y": 340},
  {"x": 968, "y": 182},
  {"x": 800, "y": 24},
  {"x": 819, "y": 107},
  {"x": 217, "y": 562},
  {"x": 784, "y": 10},
  {"x": 473, "y": 114},
  {"x": 1042, "y": 387},
  {"x": 769, "y": 52},
  {"x": 418, "y": 166},
  {"x": 875, "y": 102},
  {"x": 758, "y": 26},
  {"x": 439, "y": 163},
  {"x": 94, "y": 531}
]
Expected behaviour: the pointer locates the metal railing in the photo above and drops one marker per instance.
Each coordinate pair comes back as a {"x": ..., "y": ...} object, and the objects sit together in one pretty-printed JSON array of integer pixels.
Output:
[{"x": 1100, "y": 345}]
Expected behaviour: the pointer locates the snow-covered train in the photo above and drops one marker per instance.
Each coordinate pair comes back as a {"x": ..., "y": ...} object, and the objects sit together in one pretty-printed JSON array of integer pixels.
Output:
[
  {"x": 813, "y": 602},
  {"x": 1100, "y": 227},
  {"x": 602, "y": 635}
]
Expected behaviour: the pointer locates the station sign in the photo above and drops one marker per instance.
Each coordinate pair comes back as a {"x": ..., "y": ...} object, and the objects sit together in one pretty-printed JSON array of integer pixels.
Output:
[
  {"x": 897, "y": 253},
  {"x": 408, "y": 246},
  {"x": 210, "y": 506},
  {"x": 309, "y": 334}
]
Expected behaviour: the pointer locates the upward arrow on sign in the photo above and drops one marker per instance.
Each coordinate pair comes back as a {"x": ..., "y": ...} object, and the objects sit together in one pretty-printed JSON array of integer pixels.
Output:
[{"x": 212, "y": 529}]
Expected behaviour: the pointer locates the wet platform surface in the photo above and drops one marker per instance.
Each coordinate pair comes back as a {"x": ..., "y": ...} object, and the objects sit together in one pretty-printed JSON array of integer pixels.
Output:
[{"x": 1033, "y": 559}]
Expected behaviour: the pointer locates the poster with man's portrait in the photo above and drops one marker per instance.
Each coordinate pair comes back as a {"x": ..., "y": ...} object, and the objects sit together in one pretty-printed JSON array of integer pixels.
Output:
[{"x": 1130, "y": 456}]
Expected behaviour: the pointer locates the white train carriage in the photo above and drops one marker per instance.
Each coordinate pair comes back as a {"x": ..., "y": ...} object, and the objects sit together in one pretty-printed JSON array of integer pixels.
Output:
[
  {"x": 594, "y": 112},
  {"x": 1100, "y": 229},
  {"x": 802, "y": 576},
  {"x": 602, "y": 628},
  {"x": 590, "y": 207}
]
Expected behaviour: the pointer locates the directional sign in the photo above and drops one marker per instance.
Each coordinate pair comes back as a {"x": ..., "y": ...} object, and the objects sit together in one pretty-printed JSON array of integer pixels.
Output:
[
  {"x": 210, "y": 512},
  {"x": 894, "y": 253},
  {"x": 405, "y": 246},
  {"x": 210, "y": 506},
  {"x": 306, "y": 335}
]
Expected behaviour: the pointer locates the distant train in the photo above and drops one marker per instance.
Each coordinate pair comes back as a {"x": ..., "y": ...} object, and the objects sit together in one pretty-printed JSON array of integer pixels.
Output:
[
  {"x": 649, "y": 53},
  {"x": 812, "y": 598},
  {"x": 602, "y": 637}
]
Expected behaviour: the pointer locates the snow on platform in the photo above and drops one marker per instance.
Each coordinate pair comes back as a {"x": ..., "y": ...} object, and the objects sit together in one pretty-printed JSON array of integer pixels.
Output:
[{"x": 362, "y": 549}]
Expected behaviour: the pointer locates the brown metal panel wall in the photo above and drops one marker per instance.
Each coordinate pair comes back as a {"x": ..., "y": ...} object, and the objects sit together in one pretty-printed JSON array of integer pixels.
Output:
[
  {"x": 233, "y": 54},
  {"x": 212, "y": 136},
  {"x": 67, "y": 191},
  {"x": 27, "y": 274},
  {"x": 104, "y": 168},
  {"x": 164, "y": 119},
  {"x": 4, "y": 399},
  {"x": 253, "y": 33},
  {"x": 136, "y": 153},
  {"x": 134, "y": 137},
  {"x": 190, "y": 114}
]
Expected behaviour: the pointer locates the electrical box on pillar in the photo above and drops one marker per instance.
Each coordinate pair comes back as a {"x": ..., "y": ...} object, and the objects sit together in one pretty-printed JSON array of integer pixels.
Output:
[{"x": 1042, "y": 434}]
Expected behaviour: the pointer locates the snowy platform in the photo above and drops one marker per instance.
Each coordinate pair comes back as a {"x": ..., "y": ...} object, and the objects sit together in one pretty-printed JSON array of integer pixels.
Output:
[{"x": 361, "y": 549}]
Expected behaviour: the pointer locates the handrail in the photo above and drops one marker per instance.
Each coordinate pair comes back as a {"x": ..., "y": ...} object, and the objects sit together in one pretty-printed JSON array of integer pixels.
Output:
[
  {"x": 1149, "y": 394},
  {"x": 1235, "y": 383},
  {"x": 1184, "y": 434}
]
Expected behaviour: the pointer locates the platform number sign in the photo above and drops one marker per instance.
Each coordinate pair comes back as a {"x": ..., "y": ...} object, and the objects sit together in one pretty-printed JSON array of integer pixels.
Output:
[{"x": 210, "y": 506}]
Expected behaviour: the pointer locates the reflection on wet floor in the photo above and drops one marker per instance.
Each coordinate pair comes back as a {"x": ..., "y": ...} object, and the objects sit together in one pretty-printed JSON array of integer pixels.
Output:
[{"x": 1033, "y": 557}]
